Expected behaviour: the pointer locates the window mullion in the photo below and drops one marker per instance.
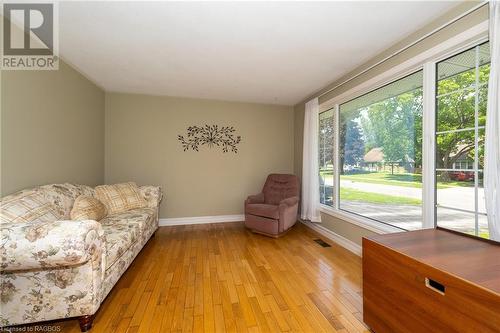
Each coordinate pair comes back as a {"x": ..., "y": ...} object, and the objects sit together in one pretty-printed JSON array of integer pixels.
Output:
[
  {"x": 476, "y": 146},
  {"x": 336, "y": 157},
  {"x": 429, "y": 147}
]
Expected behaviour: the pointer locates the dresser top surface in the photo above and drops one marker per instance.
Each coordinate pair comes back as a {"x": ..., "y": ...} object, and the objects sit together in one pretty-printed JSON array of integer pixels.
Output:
[{"x": 471, "y": 259}]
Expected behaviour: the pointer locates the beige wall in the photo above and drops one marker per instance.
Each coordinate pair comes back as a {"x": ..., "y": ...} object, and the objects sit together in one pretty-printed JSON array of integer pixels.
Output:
[
  {"x": 52, "y": 129},
  {"x": 343, "y": 228},
  {"x": 141, "y": 145}
]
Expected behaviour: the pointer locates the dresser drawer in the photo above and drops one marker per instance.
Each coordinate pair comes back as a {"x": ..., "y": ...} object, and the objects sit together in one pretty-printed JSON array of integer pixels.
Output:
[{"x": 401, "y": 294}]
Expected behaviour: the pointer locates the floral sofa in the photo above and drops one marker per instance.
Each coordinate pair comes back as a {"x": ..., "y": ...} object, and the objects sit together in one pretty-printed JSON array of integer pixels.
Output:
[{"x": 53, "y": 267}]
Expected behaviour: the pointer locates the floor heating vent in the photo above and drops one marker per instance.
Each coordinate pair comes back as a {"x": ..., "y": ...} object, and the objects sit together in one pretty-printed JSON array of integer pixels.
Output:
[{"x": 322, "y": 242}]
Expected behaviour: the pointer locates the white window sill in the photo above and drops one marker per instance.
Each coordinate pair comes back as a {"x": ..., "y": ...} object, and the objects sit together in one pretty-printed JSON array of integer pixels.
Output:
[{"x": 365, "y": 223}]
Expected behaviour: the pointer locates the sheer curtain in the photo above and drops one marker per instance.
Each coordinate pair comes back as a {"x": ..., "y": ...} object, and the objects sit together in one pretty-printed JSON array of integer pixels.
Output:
[
  {"x": 310, "y": 177},
  {"x": 492, "y": 144}
]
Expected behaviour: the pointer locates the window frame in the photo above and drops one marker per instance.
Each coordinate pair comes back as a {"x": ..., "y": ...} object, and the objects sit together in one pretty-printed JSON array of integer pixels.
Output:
[
  {"x": 334, "y": 160},
  {"x": 425, "y": 61},
  {"x": 476, "y": 128}
]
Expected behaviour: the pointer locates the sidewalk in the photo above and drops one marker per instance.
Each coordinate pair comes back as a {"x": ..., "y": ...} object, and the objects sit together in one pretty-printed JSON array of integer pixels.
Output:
[
  {"x": 409, "y": 217},
  {"x": 455, "y": 197}
]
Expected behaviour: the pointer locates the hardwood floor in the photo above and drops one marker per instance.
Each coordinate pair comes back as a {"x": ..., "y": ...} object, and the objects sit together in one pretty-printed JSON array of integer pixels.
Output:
[{"x": 223, "y": 278}]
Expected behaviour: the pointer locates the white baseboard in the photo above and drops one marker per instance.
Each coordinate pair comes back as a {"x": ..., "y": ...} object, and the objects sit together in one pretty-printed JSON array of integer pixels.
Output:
[
  {"x": 342, "y": 241},
  {"x": 201, "y": 220}
]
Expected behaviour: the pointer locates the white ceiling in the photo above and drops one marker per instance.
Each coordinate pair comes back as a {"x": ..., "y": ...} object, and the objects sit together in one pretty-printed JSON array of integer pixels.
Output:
[{"x": 266, "y": 52}]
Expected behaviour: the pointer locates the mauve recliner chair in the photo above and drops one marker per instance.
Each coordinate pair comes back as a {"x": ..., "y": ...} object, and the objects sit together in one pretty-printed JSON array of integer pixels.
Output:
[{"x": 274, "y": 211}]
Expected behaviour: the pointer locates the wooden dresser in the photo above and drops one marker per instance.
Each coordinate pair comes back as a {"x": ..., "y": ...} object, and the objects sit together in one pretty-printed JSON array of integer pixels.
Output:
[{"x": 431, "y": 281}]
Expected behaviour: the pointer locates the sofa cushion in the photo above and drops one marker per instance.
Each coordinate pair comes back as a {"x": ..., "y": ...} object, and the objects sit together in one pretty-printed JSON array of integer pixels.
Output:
[
  {"x": 88, "y": 208},
  {"x": 120, "y": 197},
  {"x": 269, "y": 211},
  {"x": 62, "y": 196},
  {"x": 27, "y": 206},
  {"x": 122, "y": 230}
]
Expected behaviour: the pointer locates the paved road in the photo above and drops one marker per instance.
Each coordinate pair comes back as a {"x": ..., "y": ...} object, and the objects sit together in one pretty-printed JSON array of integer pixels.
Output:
[{"x": 408, "y": 216}]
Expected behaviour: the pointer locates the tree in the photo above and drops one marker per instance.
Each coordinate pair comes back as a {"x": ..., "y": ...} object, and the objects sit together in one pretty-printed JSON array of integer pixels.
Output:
[
  {"x": 456, "y": 110},
  {"x": 395, "y": 125},
  {"x": 346, "y": 120},
  {"x": 354, "y": 146},
  {"x": 326, "y": 139}
]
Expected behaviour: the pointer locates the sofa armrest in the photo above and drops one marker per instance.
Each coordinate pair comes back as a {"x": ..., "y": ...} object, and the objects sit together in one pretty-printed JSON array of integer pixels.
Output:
[
  {"x": 26, "y": 246},
  {"x": 290, "y": 201},
  {"x": 152, "y": 194},
  {"x": 255, "y": 199}
]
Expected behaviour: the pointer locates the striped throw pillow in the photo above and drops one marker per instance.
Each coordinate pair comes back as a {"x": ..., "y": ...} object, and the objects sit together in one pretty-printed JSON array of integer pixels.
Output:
[
  {"x": 87, "y": 208},
  {"x": 120, "y": 197},
  {"x": 27, "y": 206}
]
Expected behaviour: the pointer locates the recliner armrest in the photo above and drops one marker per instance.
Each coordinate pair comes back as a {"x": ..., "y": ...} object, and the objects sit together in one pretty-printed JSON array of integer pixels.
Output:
[
  {"x": 290, "y": 201},
  {"x": 254, "y": 199},
  {"x": 288, "y": 212}
]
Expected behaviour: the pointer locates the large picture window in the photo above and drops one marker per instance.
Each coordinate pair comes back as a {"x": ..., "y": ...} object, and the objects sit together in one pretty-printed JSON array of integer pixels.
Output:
[
  {"x": 380, "y": 154},
  {"x": 373, "y": 149},
  {"x": 461, "y": 93}
]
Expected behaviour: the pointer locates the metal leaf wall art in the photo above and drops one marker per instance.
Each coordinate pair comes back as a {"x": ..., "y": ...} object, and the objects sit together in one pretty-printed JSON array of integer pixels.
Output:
[{"x": 212, "y": 136}]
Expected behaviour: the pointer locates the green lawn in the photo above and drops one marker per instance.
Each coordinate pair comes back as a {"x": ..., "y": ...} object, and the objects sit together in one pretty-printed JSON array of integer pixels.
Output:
[
  {"x": 405, "y": 180},
  {"x": 484, "y": 234},
  {"x": 384, "y": 178},
  {"x": 376, "y": 198}
]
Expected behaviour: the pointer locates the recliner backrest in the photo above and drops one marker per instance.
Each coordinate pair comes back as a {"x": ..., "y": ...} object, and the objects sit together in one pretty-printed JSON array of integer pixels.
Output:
[{"x": 279, "y": 187}]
